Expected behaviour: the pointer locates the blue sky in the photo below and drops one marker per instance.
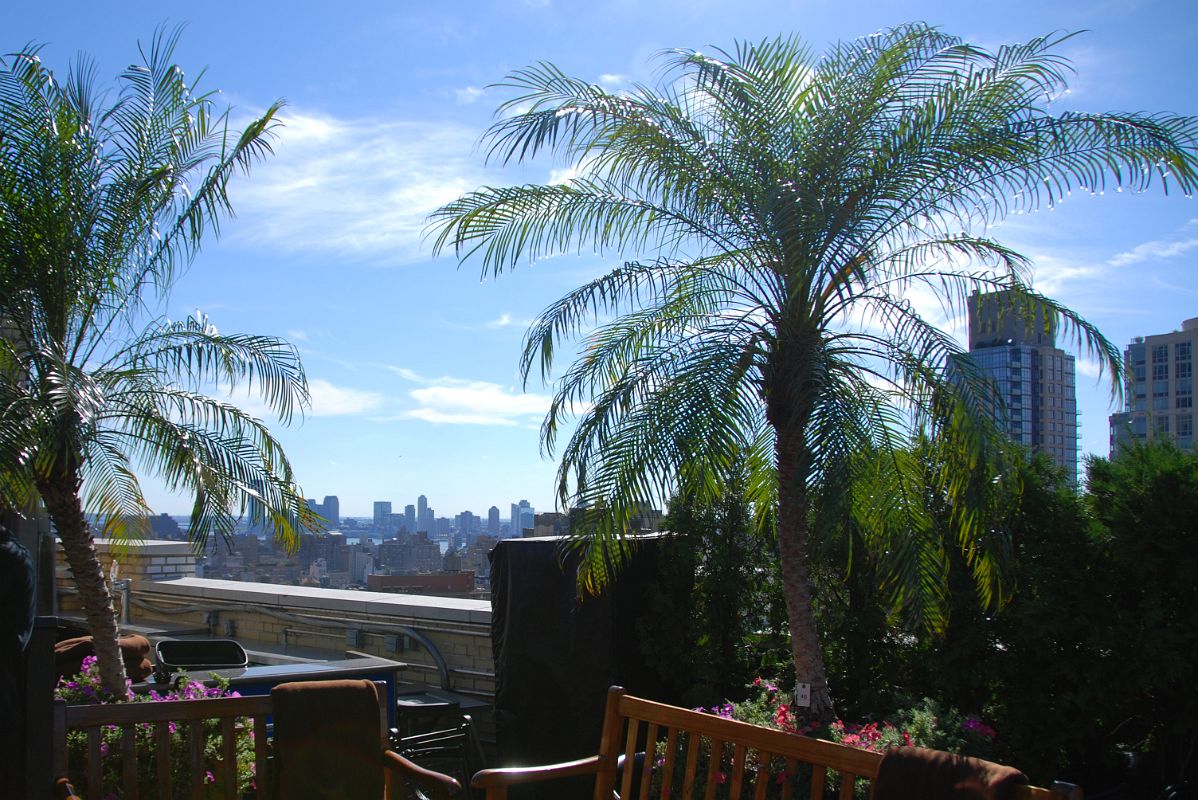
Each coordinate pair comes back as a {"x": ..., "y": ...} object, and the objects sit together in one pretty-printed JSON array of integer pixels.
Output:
[{"x": 412, "y": 362}]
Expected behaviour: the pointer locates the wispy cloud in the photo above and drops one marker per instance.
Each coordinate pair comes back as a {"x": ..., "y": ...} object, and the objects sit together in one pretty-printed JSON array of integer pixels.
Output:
[
  {"x": 328, "y": 400},
  {"x": 455, "y": 401},
  {"x": 1154, "y": 250},
  {"x": 355, "y": 187},
  {"x": 468, "y": 95},
  {"x": 338, "y": 401},
  {"x": 612, "y": 81},
  {"x": 297, "y": 336}
]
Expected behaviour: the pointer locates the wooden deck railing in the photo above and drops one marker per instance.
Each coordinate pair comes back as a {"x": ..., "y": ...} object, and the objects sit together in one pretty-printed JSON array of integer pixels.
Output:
[{"x": 231, "y": 712}]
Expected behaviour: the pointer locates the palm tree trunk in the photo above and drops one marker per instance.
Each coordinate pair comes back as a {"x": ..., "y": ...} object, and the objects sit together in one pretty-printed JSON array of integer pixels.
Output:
[
  {"x": 60, "y": 493},
  {"x": 796, "y": 585}
]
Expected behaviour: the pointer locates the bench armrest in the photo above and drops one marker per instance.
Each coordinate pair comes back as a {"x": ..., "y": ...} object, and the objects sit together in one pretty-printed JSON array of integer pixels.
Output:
[
  {"x": 436, "y": 784},
  {"x": 496, "y": 781}
]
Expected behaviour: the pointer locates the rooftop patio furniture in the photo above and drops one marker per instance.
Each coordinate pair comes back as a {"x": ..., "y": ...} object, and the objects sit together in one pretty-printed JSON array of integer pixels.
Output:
[
  {"x": 454, "y": 751},
  {"x": 349, "y": 712},
  {"x": 331, "y": 740},
  {"x": 651, "y": 750}
]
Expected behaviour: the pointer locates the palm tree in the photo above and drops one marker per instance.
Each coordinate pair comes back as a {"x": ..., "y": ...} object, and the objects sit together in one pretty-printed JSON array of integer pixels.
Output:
[
  {"x": 787, "y": 206},
  {"x": 101, "y": 208}
]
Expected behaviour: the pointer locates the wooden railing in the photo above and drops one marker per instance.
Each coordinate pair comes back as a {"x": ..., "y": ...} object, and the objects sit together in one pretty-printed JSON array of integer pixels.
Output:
[
  {"x": 230, "y": 712},
  {"x": 234, "y": 715}
]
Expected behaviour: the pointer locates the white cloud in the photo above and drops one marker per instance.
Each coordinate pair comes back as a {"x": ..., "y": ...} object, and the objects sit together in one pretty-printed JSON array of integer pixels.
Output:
[
  {"x": 407, "y": 374},
  {"x": 560, "y": 176},
  {"x": 503, "y": 321},
  {"x": 456, "y": 401},
  {"x": 327, "y": 401},
  {"x": 468, "y": 95},
  {"x": 361, "y": 188},
  {"x": 612, "y": 81},
  {"x": 1158, "y": 249},
  {"x": 1089, "y": 368},
  {"x": 336, "y": 401},
  {"x": 298, "y": 336}
]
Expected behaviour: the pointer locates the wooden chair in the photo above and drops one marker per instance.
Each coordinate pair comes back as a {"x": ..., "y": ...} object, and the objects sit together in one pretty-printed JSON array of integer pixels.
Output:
[
  {"x": 651, "y": 750},
  {"x": 454, "y": 751},
  {"x": 331, "y": 740},
  {"x": 401, "y": 778}
]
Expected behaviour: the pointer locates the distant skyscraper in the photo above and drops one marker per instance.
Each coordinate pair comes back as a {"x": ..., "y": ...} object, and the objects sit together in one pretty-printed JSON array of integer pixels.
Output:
[
  {"x": 423, "y": 518},
  {"x": 331, "y": 509},
  {"x": 467, "y": 524},
  {"x": 493, "y": 522},
  {"x": 382, "y": 508},
  {"x": 409, "y": 518},
  {"x": 1035, "y": 380},
  {"x": 1159, "y": 389},
  {"x": 313, "y": 505},
  {"x": 523, "y": 516}
]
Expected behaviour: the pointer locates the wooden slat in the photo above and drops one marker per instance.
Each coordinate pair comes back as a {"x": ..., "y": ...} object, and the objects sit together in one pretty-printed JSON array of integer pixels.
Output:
[
  {"x": 819, "y": 775},
  {"x": 691, "y": 764},
  {"x": 736, "y": 779},
  {"x": 95, "y": 784},
  {"x": 162, "y": 753},
  {"x": 261, "y": 778},
  {"x": 713, "y": 768},
  {"x": 788, "y": 784},
  {"x": 87, "y": 716},
  {"x": 847, "y": 782},
  {"x": 195, "y": 756},
  {"x": 228, "y": 752},
  {"x": 761, "y": 782},
  {"x": 129, "y": 761},
  {"x": 647, "y": 766},
  {"x": 667, "y": 769},
  {"x": 630, "y": 733},
  {"x": 60, "y": 735}
]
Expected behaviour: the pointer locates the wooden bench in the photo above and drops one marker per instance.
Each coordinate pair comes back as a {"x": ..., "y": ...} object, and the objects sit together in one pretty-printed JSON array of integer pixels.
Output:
[
  {"x": 651, "y": 750},
  {"x": 231, "y": 713}
]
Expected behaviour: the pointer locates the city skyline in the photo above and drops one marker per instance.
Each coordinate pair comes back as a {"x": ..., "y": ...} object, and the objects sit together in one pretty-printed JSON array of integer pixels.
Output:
[{"x": 412, "y": 361}]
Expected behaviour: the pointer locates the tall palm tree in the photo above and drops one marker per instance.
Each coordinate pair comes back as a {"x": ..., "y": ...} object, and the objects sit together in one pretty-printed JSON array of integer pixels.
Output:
[
  {"x": 786, "y": 205},
  {"x": 101, "y": 208}
]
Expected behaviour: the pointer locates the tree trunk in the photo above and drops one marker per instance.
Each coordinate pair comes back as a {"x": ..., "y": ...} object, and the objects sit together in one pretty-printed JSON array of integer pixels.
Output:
[
  {"x": 60, "y": 493},
  {"x": 796, "y": 585}
]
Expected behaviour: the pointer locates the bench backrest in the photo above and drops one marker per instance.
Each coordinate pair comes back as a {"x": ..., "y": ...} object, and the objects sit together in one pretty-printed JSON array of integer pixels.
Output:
[
  {"x": 687, "y": 754},
  {"x": 160, "y": 717},
  {"x": 233, "y": 715}
]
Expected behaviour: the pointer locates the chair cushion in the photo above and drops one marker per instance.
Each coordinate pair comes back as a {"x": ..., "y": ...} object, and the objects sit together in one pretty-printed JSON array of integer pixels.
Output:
[
  {"x": 916, "y": 773},
  {"x": 327, "y": 740},
  {"x": 69, "y": 655}
]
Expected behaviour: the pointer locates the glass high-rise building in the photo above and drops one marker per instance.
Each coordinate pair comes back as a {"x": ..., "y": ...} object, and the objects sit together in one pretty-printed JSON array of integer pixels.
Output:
[{"x": 1035, "y": 381}]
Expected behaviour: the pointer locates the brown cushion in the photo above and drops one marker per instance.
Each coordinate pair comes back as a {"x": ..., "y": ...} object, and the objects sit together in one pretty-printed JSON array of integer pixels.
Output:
[
  {"x": 916, "y": 773},
  {"x": 327, "y": 740},
  {"x": 69, "y": 655}
]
